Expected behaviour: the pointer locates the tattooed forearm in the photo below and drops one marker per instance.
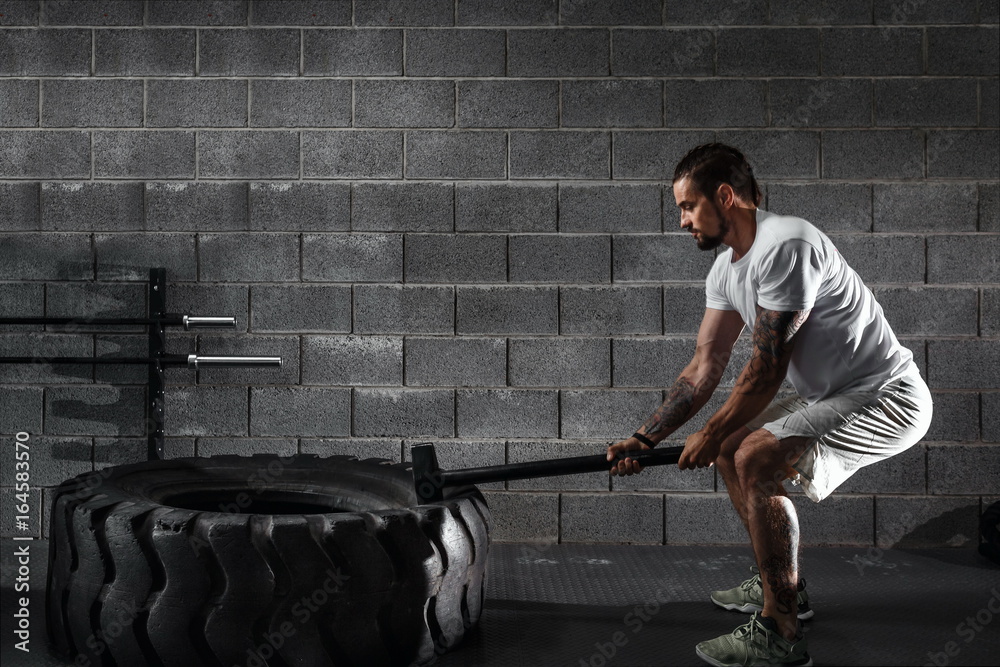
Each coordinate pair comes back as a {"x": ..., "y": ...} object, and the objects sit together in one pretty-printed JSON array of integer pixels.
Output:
[
  {"x": 772, "y": 348},
  {"x": 675, "y": 409}
]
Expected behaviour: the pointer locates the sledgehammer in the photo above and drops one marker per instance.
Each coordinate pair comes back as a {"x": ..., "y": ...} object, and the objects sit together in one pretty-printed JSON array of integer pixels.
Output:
[{"x": 429, "y": 480}]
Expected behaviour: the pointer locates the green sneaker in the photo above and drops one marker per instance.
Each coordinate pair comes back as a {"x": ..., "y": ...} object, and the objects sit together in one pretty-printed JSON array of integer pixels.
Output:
[
  {"x": 756, "y": 643},
  {"x": 748, "y": 597}
]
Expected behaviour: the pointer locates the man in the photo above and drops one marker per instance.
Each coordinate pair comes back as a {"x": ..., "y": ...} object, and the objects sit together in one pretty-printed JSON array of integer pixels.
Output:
[{"x": 860, "y": 397}]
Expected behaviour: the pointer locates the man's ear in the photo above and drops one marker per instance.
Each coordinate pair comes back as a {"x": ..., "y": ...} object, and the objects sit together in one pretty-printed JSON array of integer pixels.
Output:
[{"x": 725, "y": 196}]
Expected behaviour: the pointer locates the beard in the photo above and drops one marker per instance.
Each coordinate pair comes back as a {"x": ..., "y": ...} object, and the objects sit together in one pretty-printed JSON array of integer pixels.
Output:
[{"x": 712, "y": 242}]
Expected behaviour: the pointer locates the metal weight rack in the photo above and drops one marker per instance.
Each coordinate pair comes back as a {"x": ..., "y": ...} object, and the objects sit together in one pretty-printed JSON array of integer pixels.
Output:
[{"x": 157, "y": 320}]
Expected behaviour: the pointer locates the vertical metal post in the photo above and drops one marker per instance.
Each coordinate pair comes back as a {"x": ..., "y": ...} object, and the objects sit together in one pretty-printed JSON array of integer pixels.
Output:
[{"x": 157, "y": 349}]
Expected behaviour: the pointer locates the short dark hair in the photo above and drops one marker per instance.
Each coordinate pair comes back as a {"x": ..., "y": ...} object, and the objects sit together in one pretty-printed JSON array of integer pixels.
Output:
[{"x": 710, "y": 165}]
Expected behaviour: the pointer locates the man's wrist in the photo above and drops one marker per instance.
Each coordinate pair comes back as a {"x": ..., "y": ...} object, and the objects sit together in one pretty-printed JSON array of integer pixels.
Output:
[{"x": 644, "y": 439}]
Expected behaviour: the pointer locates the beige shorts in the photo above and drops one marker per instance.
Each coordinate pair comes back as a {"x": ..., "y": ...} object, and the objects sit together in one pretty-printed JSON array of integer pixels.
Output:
[{"x": 851, "y": 430}]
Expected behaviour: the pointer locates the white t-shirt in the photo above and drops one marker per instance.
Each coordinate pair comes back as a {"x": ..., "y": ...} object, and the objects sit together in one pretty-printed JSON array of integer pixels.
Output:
[{"x": 846, "y": 344}]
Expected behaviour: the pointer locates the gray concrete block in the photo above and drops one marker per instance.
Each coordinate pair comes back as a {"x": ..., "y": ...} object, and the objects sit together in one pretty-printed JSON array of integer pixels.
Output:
[
  {"x": 255, "y": 257},
  {"x": 963, "y": 259},
  {"x": 196, "y": 206},
  {"x": 130, "y": 256},
  {"x": 904, "y": 473},
  {"x": 884, "y": 259},
  {"x": 197, "y": 12},
  {"x": 562, "y": 259},
  {"x": 890, "y": 12},
  {"x": 989, "y": 11},
  {"x": 562, "y": 52},
  {"x": 989, "y": 102},
  {"x": 43, "y": 346},
  {"x": 451, "y": 258},
  {"x": 450, "y": 155},
  {"x": 508, "y": 12},
  {"x": 963, "y": 154},
  {"x": 20, "y": 409},
  {"x": 404, "y": 103},
  {"x": 540, "y": 450},
  {"x": 53, "y": 460},
  {"x": 963, "y": 364},
  {"x": 917, "y": 522},
  {"x": 989, "y": 312},
  {"x": 352, "y": 257},
  {"x": 507, "y": 413},
  {"x": 881, "y": 51},
  {"x": 505, "y": 207},
  {"x": 354, "y": 154},
  {"x": 398, "y": 309},
  {"x": 837, "y": 521},
  {"x": 991, "y": 416},
  {"x": 609, "y": 208},
  {"x": 617, "y": 518},
  {"x": 404, "y": 412},
  {"x": 144, "y": 52},
  {"x": 300, "y": 103},
  {"x": 754, "y": 52},
  {"x": 32, "y": 52},
  {"x": 300, "y": 308},
  {"x": 732, "y": 13},
  {"x": 507, "y": 310},
  {"x": 824, "y": 12},
  {"x": 324, "y": 207},
  {"x": 456, "y": 362},
  {"x": 286, "y": 347},
  {"x": 255, "y": 154},
  {"x": 881, "y": 154},
  {"x": 363, "y": 448},
  {"x": 560, "y": 362},
  {"x": 18, "y": 103},
  {"x": 300, "y": 411},
  {"x": 590, "y": 413},
  {"x": 453, "y": 454},
  {"x": 930, "y": 311},
  {"x": 9, "y": 512},
  {"x": 612, "y": 103},
  {"x": 611, "y": 310},
  {"x": 683, "y": 308},
  {"x": 92, "y": 103},
  {"x": 668, "y": 52},
  {"x": 401, "y": 12},
  {"x": 193, "y": 103},
  {"x": 87, "y": 300},
  {"x": 352, "y": 360},
  {"x": 301, "y": 12},
  {"x": 455, "y": 52},
  {"x": 918, "y": 348},
  {"x": 962, "y": 469},
  {"x": 820, "y": 102},
  {"x": 219, "y": 300},
  {"x": 650, "y": 362},
  {"x": 667, "y": 478},
  {"x": 926, "y": 102},
  {"x": 47, "y": 256},
  {"x": 775, "y": 154},
  {"x": 524, "y": 517},
  {"x": 97, "y": 410},
  {"x": 147, "y": 154},
  {"x": 403, "y": 207},
  {"x": 833, "y": 207},
  {"x": 659, "y": 258},
  {"x": 352, "y": 52},
  {"x": 28, "y": 154},
  {"x": 19, "y": 204},
  {"x": 508, "y": 103},
  {"x": 702, "y": 518},
  {"x": 77, "y": 207},
  {"x": 22, "y": 300},
  {"x": 19, "y": 12},
  {"x": 242, "y": 52},
  {"x": 708, "y": 103},
  {"x": 598, "y": 12},
  {"x": 247, "y": 446},
  {"x": 963, "y": 51},
  {"x": 91, "y": 12},
  {"x": 653, "y": 154}
]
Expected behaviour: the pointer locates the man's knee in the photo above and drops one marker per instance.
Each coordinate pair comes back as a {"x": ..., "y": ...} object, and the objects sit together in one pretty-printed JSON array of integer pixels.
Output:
[{"x": 761, "y": 465}]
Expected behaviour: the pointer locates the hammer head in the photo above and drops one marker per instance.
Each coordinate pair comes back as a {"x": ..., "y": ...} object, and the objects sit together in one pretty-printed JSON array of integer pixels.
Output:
[{"x": 426, "y": 473}]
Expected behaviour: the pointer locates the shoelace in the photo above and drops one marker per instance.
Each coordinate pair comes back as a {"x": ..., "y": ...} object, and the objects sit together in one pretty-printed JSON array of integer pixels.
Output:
[{"x": 759, "y": 641}]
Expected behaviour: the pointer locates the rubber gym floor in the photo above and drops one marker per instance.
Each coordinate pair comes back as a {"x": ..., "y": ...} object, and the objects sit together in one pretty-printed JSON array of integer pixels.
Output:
[{"x": 629, "y": 605}]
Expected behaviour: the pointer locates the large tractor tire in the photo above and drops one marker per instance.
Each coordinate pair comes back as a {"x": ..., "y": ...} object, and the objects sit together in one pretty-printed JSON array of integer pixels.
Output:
[{"x": 262, "y": 561}]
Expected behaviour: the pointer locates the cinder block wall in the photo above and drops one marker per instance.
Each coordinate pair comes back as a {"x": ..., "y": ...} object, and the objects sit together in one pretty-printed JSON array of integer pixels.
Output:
[{"x": 453, "y": 220}]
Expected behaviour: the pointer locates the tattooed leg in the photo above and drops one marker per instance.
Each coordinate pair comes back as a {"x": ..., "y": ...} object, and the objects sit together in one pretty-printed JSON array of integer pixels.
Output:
[{"x": 726, "y": 465}]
